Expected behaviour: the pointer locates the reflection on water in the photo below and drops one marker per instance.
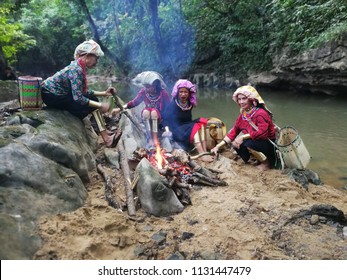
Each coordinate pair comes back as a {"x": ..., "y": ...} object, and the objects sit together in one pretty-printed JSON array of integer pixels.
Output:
[{"x": 320, "y": 120}]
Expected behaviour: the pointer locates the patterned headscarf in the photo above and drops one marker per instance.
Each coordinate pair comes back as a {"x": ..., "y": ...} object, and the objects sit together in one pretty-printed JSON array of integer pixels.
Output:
[
  {"x": 252, "y": 94},
  {"x": 88, "y": 47},
  {"x": 188, "y": 85}
]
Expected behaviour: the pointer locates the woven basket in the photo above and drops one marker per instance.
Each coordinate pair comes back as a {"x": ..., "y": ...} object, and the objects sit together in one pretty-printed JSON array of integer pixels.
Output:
[
  {"x": 29, "y": 92},
  {"x": 215, "y": 132},
  {"x": 292, "y": 148}
]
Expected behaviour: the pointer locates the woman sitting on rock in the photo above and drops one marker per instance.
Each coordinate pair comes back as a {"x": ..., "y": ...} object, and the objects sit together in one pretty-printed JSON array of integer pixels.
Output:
[
  {"x": 252, "y": 129},
  {"x": 188, "y": 133},
  {"x": 68, "y": 90},
  {"x": 155, "y": 98}
]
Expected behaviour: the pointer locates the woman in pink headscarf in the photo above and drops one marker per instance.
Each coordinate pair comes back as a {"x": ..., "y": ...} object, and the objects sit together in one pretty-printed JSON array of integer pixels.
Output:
[
  {"x": 188, "y": 133},
  {"x": 252, "y": 129}
]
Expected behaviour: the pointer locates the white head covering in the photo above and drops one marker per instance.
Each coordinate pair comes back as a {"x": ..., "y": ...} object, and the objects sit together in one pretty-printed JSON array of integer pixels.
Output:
[
  {"x": 147, "y": 78},
  {"x": 88, "y": 47},
  {"x": 252, "y": 94}
]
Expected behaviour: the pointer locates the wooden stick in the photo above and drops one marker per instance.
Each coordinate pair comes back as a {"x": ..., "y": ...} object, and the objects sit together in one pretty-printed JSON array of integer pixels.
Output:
[
  {"x": 200, "y": 169},
  {"x": 109, "y": 194},
  {"x": 209, "y": 180},
  {"x": 133, "y": 120},
  {"x": 200, "y": 155},
  {"x": 126, "y": 171}
]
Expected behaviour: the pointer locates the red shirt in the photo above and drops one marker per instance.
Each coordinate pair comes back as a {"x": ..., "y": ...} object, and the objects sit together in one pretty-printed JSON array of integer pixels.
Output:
[
  {"x": 159, "y": 102},
  {"x": 261, "y": 119}
]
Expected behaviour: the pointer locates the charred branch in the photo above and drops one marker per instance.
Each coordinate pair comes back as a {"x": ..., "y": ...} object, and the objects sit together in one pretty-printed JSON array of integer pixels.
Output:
[
  {"x": 203, "y": 179},
  {"x": 109, "y": 193}
]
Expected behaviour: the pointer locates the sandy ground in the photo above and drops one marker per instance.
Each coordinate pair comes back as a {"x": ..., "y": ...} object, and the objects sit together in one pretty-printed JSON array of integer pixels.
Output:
[{"x": 251, "y": 218}]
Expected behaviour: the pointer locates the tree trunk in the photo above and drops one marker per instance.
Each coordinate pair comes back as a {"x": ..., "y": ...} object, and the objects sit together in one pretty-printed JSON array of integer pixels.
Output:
[
  {"x": 116, "y": 60},
  {"x": 164, "y": 58}
]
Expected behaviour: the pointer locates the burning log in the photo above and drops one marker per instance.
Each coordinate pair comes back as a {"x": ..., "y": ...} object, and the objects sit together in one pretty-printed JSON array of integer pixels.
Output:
[
  {"x": 179, "y": 171},
  {"x": 126, "y": 172},
  {"x": 109, "y": 193},
  {"x": 198, "y": 168}
]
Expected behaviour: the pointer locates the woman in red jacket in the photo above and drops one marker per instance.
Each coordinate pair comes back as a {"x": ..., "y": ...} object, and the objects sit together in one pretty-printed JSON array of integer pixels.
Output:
[{"x": 252, "y": 130}]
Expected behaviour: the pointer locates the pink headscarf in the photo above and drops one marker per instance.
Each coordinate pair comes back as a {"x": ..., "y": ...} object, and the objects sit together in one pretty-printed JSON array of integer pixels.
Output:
[{"x": 188, "y": 85}]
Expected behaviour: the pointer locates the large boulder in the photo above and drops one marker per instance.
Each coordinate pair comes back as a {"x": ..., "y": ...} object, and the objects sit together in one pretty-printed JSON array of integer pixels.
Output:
[
  {"x": 46, "y": 157},
  {"x": 155, "y": 197}
]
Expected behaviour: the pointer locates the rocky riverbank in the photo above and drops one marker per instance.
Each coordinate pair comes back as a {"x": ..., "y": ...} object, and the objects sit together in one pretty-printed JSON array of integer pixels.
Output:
[
  {"x": 316, "y": 71},
  {"x": 259, "y": 215},
  {"x": 53, "y": 204}
]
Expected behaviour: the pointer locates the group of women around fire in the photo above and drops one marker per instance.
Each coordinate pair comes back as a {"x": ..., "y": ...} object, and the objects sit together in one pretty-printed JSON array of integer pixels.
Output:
[{"x": 250, "y": 135}]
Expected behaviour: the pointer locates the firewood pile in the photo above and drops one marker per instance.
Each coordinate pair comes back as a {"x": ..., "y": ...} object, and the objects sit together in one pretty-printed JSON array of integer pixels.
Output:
[{"x": 181, "y": 172}]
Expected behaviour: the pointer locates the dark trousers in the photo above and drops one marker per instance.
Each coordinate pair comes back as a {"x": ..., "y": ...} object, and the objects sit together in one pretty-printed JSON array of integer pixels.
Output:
[
  {"x": 263, "y": 146},
  {"x": 66, "y": 102}
]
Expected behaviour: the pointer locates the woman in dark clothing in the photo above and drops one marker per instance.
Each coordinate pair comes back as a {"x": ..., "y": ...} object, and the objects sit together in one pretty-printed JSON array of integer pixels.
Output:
[{"x": 188, "y": 133}]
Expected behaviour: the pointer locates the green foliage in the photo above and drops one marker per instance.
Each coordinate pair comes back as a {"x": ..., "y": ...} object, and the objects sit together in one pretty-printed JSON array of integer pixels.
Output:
[
  {"x": 301, "y": 25},
  {"x": 126, "y": 28},
  {"x": 234, "y": 36},
  {"x": 57, "y": 31},
  {"x": 235, "y": 29},
  {"x": 12, "y": 37},
  {"x": 249, "y": 33}
]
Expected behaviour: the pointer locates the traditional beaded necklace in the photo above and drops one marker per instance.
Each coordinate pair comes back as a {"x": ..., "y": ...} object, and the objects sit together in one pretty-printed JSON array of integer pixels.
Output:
[
  {"x": 249, "y": 114},
  {"x": 153, "y": 99},
  {"x": 186, "y": 107}
]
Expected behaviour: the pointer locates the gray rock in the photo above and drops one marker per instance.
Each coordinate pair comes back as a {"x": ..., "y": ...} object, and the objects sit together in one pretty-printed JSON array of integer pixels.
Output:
[
  {"x": 314, "y": 219},
  {"x": 112, "y": 157},
  {"x": 344, "y": 230},
  {"x": 159, "y": 237},
  {"x": 176, "y": 256},
  {"x": 46, "y": 157},
  {"x": 155, "y": 197}
]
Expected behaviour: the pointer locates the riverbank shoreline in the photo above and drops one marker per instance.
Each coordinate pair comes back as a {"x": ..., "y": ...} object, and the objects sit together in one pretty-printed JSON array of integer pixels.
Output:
[{"x": 253, "y": 218}]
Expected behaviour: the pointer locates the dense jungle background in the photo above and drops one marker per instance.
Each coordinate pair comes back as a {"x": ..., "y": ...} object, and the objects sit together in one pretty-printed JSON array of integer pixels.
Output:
[{"x": 174, "y": 37}]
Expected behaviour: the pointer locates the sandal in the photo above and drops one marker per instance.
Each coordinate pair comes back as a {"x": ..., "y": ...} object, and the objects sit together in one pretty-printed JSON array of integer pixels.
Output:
[{"x": 116, "y": 138}]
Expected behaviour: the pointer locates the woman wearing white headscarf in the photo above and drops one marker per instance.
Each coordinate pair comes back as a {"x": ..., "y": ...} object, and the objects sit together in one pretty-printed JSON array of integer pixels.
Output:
[
  {"x": 252, "y": 129},
  {"x": 154, "y": 96},
  {"x": 68, "y": 90}
]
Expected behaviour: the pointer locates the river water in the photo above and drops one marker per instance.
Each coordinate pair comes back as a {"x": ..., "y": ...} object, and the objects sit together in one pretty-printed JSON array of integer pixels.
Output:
[{"x": 321, "y": 122}]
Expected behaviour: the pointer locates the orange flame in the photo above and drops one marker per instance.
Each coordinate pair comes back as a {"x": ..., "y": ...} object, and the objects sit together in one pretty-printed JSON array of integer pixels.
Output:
[{"x": 159, "y": 157}]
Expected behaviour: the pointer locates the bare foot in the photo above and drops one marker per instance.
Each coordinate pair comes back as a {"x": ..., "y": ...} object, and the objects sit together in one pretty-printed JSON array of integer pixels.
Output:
[
  {"x": 207, "y": 158},
  {"x": 264, "y": 166}
]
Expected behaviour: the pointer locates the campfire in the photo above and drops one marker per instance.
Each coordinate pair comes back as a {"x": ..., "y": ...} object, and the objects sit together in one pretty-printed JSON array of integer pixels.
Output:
[{"x": 181, "y": 172}]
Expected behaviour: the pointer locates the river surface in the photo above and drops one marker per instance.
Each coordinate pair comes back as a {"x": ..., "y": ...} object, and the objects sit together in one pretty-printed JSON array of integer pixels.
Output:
[{"x": 321, "y": 122}]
